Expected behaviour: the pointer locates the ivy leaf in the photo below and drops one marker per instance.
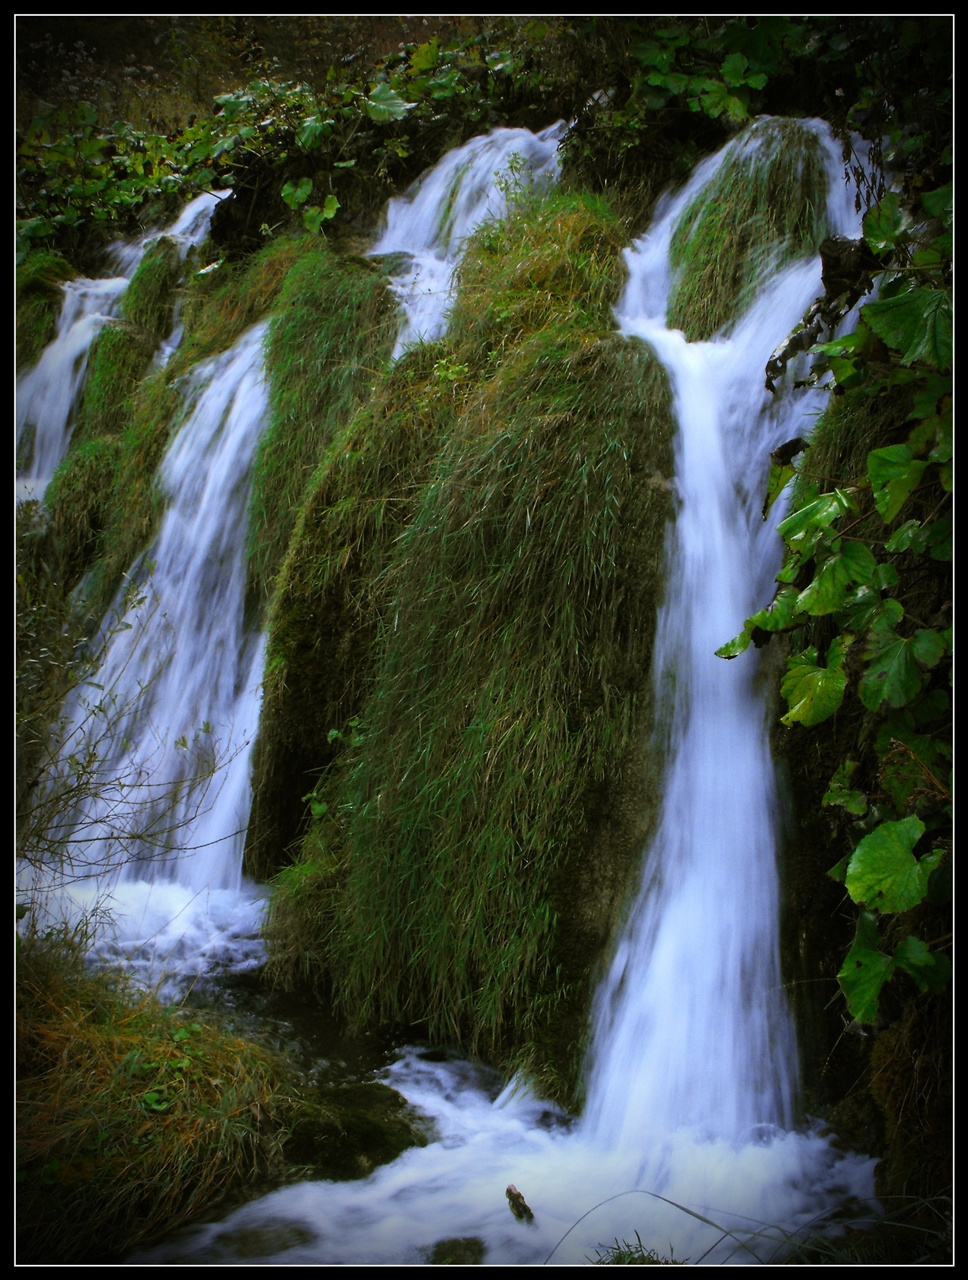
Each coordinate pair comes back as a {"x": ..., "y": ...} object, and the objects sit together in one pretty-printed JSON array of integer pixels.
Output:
[
  {"x": 814, "y": 693},
  {"x": 852, "y": 562},
  {"x": 865, "y": 970},
  {"x": 894, "y": 474},
  {"x": 883, "y": 873},
  {"x": 916, "y": 323},
  {"x": 930, "y": 971},
  {"x": 385, "y": 104}
]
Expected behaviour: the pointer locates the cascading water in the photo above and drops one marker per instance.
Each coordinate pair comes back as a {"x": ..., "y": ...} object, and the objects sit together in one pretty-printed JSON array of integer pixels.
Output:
[
  {"x": 165, "y": 731},
  {"x": 686, "y": 1139},
  {"x": 47, "y": 393},
  {"x": 166, "y": 727},
  {"x": 429, "y": 225}
]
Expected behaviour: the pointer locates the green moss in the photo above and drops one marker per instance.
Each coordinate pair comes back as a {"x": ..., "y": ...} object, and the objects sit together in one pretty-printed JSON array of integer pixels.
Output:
[
  {"x": 149, "y": 301},
  {"x": 133, "y": 505},
  {"x": 39, "y": 300},
  {"x": 491, "y": 608},
  {"x": 222, "y": 301},
  {"x": 765, "y": 205},
  {"x": 79, "y": 501},
  {"x": 119, "y": 358},
  {"x": 327, "y": 606},
  {"x": 328, "y": 342},
  {"x": 351, "y": 1129}
]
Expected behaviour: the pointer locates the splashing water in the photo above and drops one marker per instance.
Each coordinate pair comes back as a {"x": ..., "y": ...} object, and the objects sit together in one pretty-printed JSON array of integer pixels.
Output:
[{"x": 687, "y": 1136}]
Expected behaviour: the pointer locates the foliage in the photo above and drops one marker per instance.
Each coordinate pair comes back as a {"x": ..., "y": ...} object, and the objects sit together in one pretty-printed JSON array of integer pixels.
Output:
[
  {"x": 634, "y": 1255},
  {"x": 131, "y": 1118},
  {"x": 870, "y": 558}
]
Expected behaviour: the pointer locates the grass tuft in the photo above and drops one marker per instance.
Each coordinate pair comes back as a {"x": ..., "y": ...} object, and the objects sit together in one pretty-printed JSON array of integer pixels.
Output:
[
  {"x": 39, "y": 301},
  {"x": 765, "y": 206},
  {"x": 131, "y": 1117}
]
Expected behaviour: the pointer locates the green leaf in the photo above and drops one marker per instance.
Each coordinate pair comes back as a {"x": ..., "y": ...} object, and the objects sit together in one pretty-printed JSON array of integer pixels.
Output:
[
  {"x": 916, "y": 323},
  {"x": 894, "y": 474},
  {"x": 885, "y": 223},
  {"x": 801, "y": 528},
  {"x": 425, "y": 56},
  {"x": 853, "y": 562},
  {"x": 780, "y": 477},
  {"x": 930, "y": 971},
  {"x": 734, "y": 69},
  {"x": 939, "y": 203},
  {"x": 313, "y": 132},
  {"x": 909, "y": 537},
  {"x": 296, "y": 194},
  {"x": 894, "y": 674},
  {"x": 385, "y": 104},
  {"x": 865, "y": 970},
  {"x": 814, "y": 693},
  {"x": 883, "y": 873}
]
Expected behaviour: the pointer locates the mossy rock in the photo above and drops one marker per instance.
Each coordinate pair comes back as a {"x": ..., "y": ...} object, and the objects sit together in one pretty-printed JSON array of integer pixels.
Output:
[
  {"x": 351, "y": 1129},
  {"x": 39, "y": 301},
  {"x": 766, "y": 205},
  {"x": 149, "y": 300},
  {"x": 464, "y": 1251}
]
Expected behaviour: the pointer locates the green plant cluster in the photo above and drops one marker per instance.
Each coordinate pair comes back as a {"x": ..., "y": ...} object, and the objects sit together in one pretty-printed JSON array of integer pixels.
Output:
[
  {"x": 131, "y": 1118},
  {"x": 871, "y": 557}
]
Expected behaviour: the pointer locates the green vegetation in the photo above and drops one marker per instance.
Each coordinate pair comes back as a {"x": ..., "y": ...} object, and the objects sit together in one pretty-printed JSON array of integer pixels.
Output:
[
  {"x": 39, "y": 297},
  {"x": 868, "y": 558},
  {"x": 764, "y": 206},
  {"x": 329, "y": 342},
  {"x": 131, "y": 1117},
  {"x": 509, "y": 627},
  {"x": 633, "y": 1255}
]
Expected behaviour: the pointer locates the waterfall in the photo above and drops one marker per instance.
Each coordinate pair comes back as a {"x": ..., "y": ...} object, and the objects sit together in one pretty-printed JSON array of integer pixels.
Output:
[
  {"x": 428, "y": 225},
  {"x": 48, "y": 392},
  {"x": 688, "y": 1138},
  {"x": 165, "y": 726}
]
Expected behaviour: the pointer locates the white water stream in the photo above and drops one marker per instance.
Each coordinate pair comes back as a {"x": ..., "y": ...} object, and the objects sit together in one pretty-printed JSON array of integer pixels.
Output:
[{"x": 692, "y": 1080}]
